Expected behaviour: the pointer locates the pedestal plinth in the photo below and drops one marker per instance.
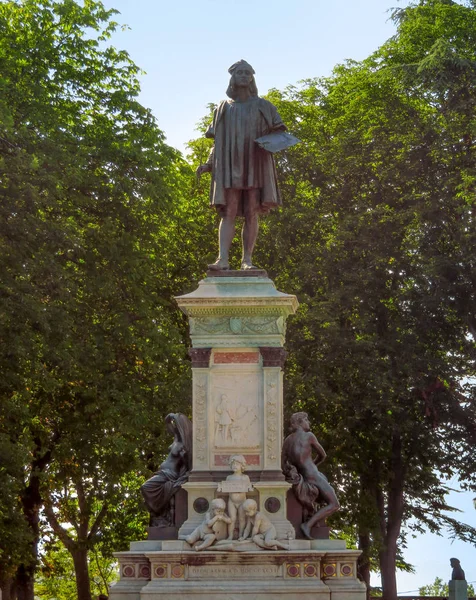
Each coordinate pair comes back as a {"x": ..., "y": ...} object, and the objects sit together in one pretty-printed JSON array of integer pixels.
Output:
[
  {"x": 307, "y": 571},
  {"x": 237, "y": 326}
]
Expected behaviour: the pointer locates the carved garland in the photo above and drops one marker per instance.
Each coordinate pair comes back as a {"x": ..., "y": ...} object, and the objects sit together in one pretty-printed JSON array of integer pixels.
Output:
[
  {"x": 272, "y": 417},
  {"x": 200, "y": 417}
]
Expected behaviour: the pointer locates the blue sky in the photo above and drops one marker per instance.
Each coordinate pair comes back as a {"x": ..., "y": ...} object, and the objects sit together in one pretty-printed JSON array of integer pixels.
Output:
[{"x": 185, "y": 48}]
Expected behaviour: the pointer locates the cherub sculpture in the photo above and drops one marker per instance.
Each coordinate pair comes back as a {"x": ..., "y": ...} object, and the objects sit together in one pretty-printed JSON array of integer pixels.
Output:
[
  {"x": 236, "y": 499},
  {"x": 260, "y": 528},
  {"x": 213, "y": 527}
]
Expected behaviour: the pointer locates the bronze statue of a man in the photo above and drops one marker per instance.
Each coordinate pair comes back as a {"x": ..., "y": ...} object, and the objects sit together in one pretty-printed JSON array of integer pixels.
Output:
[{"x": 244, "y": 179}]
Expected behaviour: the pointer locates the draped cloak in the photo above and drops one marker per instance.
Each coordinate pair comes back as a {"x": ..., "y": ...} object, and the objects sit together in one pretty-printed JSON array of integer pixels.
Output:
[{"x": 237, "y": 161}]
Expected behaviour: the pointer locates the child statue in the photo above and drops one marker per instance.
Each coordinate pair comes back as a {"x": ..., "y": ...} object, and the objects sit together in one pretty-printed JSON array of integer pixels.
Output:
[
  {"x": 212, "y": 528},
  {"x": 236, "y": 498},
  {"x": 263, "y": 532}
]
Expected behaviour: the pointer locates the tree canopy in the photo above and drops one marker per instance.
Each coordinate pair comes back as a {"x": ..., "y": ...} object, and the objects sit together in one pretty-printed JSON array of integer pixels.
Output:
[
  {"x": 377, "y": 241},
  {"x": 93, "y": 248}
]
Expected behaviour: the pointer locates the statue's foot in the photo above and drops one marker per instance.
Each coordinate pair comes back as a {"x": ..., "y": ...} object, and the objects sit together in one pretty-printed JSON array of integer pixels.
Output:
[
  {"x": 247, "y": 265},
  {"x": 306, "y": 530},
  {"x": 219, "y": 265}
]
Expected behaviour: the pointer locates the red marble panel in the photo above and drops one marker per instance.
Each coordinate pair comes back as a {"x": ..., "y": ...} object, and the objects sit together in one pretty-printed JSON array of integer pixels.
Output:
[
  {"x": 221, "y": 358},
  {"x": 223, "y": 460}
]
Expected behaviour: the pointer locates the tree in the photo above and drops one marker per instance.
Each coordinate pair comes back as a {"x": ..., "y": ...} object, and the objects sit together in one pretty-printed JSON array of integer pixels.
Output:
[
  {"x": 56, "y": 577},
  {"x": 378, "y": 243},
  {"x": 96, "y": 239}
]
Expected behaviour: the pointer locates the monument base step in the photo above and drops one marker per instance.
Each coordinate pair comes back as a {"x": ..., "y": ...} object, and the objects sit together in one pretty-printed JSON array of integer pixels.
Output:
[{"x": 185, "y": 574}]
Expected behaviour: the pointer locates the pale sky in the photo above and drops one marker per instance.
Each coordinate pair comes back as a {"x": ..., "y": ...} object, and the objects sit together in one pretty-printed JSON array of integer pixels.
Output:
[{"x": 186, "y": 46}]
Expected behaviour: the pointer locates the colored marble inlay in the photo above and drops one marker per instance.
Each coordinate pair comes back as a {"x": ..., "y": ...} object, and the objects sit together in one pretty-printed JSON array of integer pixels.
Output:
[
  {"x": 223, "y": 460},
  {"x": 160, "y": 571},
  {"x": 346, "y": 570},
  {"x": 329, "y": 570},
  {"x": 225, "y": 358},
  {"x": 144, "y": 571},
  {"x": 293, "y": 570},
  {"x": 128, "y": 571},
  {"x": 310, "y": 570},
  {"x": 177, "y": 571}
]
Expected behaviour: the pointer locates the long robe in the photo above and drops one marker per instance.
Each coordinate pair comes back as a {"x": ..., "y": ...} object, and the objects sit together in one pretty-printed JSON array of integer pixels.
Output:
[{"x": 237, "y": 161}]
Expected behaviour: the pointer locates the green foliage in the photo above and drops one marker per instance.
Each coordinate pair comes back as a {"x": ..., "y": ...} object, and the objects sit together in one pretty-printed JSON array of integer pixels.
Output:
[
  {"x": 97, "y": 236},
  {"x": 377, "y": 239},
  {"x": 56, "y": 576}
]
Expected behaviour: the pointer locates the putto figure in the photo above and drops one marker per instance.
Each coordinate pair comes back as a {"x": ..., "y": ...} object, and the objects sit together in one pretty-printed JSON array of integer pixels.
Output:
[
  {"x": 213, "y": 528},
  {"x": 244, "y": 181},
  {"x": 260, "y": 528},
  {"x": 236, "y": 499},
  {"x": 299, "y": 468}
]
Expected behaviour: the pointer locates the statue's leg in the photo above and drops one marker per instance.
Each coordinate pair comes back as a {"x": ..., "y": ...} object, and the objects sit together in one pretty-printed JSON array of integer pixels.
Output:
[
  {"x": 241, "y": 520},
  {"x": 249, "y": 233},
  {"x": 332, "y": 506},
  {"x": 226, "y": 231},
  {"x": 207, "y": 541},
  {"x": 193, "y": 537},
  {"x": 232, "y": 514},
  {"x": 258, "y": 539}
]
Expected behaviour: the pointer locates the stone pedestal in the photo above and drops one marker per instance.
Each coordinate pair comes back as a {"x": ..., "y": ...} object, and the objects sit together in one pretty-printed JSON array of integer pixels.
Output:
[
  {"x": 309, "y": 570},
  {"x": 237, "y": 327},
  {"x": 458, "y": 589}
]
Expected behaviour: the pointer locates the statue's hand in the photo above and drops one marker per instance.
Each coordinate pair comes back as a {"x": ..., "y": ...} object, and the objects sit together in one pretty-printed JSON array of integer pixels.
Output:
[{"x": 203, "y": 169}]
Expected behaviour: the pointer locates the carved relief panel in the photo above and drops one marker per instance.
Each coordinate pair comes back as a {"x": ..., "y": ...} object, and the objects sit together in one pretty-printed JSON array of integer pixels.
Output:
[{"x": 236, "y": 420}]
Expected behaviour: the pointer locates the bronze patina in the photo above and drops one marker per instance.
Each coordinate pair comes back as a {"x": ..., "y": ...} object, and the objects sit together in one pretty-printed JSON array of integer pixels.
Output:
[
  {"x": 244, "y": 181},
  {"x": 309, "y": 484}
]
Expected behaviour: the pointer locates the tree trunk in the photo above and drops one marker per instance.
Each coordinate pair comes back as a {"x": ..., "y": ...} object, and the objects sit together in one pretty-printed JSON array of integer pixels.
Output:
[
  {"x": 25, "y": 577},
  {"x": 387, "y": 561},
  {"x": 80, "y": 559},
  {"x": 31, "y": 504},
  {"x": 25, "y": 581},
  {"x": 7, "y": 589},
  {"x": 388, "y": 554},
  {"x": 364, "y": 562}
]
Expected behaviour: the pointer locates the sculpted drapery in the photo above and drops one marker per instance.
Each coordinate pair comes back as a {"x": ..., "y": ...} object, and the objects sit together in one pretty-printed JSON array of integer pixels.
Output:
[{"x": 237, "y": 161}]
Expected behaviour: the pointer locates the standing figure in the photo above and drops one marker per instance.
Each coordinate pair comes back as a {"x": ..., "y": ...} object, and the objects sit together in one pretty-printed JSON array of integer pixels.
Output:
[
  {"x": 236, "y": 499},
  {"x": 244, "y": 181},
  {"x": 213, "y": 527},
  {"x": 158, "y": 491},
  {"x": 223, "y": 418},
  {"x": 301, "y": 470},
  {"x": 260, "y": 528}
]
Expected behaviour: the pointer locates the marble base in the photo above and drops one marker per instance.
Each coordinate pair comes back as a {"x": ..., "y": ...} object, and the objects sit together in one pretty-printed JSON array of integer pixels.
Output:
[{"x": 178, "y": 572}]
